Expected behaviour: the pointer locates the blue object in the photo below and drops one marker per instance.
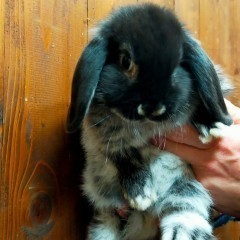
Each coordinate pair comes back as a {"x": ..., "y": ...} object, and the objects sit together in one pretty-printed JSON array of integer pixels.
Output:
[{"x": 223, "y": 219}]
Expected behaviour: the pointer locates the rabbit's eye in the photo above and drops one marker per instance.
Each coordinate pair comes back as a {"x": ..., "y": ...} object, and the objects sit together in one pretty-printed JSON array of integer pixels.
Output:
[
  {"x": 128, "y": 66},
  {"x": 126, "y": 62}
]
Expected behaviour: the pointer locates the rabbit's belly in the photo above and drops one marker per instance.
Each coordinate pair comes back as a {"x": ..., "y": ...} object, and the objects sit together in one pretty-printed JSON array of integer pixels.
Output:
[
  {"x": 102, "y": 184},
  {"x": 165, "y": 169}
]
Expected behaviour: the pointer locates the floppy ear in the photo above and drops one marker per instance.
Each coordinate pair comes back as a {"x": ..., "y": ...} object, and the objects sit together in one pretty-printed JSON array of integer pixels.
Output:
[
  {"x": 85, "y": 81},
  {"x": 206, "y": 81}
]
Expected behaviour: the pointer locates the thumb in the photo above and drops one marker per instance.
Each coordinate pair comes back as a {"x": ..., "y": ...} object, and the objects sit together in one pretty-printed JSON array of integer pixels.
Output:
[{"x": 188, "y": 153}]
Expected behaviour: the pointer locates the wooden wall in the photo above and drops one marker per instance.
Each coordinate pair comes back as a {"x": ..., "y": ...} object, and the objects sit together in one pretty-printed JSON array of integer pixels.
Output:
[{"x": 41, "y": 41}]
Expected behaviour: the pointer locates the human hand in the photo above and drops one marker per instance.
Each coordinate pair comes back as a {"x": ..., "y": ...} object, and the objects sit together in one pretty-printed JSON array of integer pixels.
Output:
[{"x": 216, "y": 164}]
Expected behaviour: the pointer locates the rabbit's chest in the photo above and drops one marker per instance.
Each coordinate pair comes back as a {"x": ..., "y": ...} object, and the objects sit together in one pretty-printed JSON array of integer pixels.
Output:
[{"x": 120, "y": 142}]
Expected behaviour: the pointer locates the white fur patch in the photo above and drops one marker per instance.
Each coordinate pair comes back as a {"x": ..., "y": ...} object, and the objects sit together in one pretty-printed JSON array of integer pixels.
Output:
[
  {"x": 205, "y": 136},
  {"x": 220, "y": 130},
  {"x": 182, "y": 235},
  {"x": 160, "y": 111},
  {"x": 187, "y": 223},
  {"x": 140, "y": 110},
  {"x": 144, "y": 201},
  {"x": 206, "y": 139}
]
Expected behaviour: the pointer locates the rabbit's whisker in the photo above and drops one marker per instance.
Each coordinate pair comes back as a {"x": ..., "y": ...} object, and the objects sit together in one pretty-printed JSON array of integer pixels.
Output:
[
  {"x": 138, "y": 134},
  {"x": 100, "y": 121},
  {"x": 109, "y": 140},
  {"x": 107, "y": 148}
]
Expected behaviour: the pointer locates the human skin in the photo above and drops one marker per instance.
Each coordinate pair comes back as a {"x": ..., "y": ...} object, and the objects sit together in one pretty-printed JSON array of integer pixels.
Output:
[{"x": 216, "y": 164}]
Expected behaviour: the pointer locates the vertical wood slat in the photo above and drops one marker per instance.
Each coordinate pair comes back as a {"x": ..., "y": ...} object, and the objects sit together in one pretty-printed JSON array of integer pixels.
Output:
[
  {"x": 220, "y": 35},
  {"x": 234, "y": 68},
  {"x": 2, "y": 13},
  {"x": 165, "y": 3},
  {"x": 97, "y": 10},
  {"x": 1, "y": 75},
  {"x": 41, "y": 43},
  {"x": 188, "y": 12}
]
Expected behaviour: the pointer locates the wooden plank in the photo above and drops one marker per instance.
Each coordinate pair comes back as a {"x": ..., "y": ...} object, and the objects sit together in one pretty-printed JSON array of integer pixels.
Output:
[
  {"x": 220, "y": 35},
  {"x": 39, "y": 194},
  {"x": 230, "y": 231},
  {"x": 188, "y": 12},
  {"x": 2, "y": 3},
  {"x": 214, "y": 29},
  {"x": 234, "y": 52},
  {"x": 2, "y": 195},
  {"x": 164, "y": 3},
  {"x": 97, "y": 10}
]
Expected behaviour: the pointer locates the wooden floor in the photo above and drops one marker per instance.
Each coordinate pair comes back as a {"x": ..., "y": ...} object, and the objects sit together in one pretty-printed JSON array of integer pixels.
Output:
[{"x": 41, "y": 41}]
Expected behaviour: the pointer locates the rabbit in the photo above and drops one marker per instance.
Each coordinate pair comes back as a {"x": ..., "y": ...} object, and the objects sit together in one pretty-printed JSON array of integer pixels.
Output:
[{"x": 143, "y": 74}]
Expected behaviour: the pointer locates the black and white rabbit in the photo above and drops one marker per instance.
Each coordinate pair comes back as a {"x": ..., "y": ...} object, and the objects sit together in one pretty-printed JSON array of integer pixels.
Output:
[{"x": 143, "y": 75}]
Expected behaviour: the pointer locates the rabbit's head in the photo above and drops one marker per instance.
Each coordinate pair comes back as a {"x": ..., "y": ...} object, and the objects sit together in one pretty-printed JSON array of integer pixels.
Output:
[{"x": 142, "y": 64}]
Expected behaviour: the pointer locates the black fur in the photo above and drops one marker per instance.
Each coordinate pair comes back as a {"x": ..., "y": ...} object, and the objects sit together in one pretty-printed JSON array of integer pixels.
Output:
[
  {"x": 133, "y": 171},
  {"x": 87, "y": 71},
  {"x": 173, "y": 70}
]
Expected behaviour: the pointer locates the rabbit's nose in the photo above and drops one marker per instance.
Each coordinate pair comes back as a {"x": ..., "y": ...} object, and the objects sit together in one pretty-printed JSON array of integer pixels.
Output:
[{"x": 147, "y": 109}]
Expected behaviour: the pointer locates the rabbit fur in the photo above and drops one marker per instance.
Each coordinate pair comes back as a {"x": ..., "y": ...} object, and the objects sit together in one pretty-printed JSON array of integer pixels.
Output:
[{"x": 142, "y": 75}]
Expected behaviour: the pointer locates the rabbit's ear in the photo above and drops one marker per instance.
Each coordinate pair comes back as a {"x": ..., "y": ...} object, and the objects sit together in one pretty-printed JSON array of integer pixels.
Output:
[
  {"x": 85, "y": 81},
  {"x": 206, "y": 82}
]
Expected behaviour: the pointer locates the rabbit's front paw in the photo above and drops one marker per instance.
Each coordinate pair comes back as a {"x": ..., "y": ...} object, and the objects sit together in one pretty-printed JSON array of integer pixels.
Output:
[
  {"x": 141, "y": 198},
  {"x": 217, "y": 130},
  {"x": 186, "y": 226}
]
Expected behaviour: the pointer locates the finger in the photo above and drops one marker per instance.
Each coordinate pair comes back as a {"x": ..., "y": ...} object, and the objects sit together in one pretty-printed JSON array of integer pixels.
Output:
[
  {"x": 188, "y": 136},
  {"x": 192, "y": 155}
]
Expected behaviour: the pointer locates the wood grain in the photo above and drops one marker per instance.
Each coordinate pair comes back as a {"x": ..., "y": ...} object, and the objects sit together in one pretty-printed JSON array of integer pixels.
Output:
[
  {"x": 219, "y": 33},
  {"x": 97, "y": 10},
  {"x": 42, "y": 41},
  {"x": 165, "y": 3},
  {"x": 188, "y": 12},
  {"x": 40, "y": 45}
]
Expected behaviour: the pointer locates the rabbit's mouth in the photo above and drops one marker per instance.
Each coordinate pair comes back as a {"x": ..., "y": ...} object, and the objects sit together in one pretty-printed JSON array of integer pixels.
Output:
[
  {"x": 142, "y": 112},
  {"x": 169, "y": 114}
]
